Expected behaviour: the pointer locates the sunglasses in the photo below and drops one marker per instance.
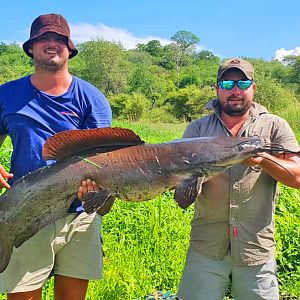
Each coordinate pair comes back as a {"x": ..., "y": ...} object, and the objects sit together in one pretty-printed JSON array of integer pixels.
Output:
[{"x": 229, "y": 84}]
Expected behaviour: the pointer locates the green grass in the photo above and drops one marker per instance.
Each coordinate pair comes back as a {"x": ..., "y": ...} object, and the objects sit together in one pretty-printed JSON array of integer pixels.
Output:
[
  {"x": 154, "y": 133},
  {"x": 292, "y": 114},
  {"x": 145, "y": 243},
  {"x": 288, "y": 241}
]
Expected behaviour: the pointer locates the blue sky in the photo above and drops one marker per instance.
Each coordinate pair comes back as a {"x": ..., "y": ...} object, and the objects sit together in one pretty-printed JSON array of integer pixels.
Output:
[{"x": 257, "y": 28}]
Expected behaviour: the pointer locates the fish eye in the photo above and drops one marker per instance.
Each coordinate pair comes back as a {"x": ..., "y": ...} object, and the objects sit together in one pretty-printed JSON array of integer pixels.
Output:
[{"x": 240, "y": 148}]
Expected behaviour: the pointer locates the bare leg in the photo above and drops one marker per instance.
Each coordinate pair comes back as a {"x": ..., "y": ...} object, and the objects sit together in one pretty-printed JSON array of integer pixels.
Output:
[
  {"x": 32, "y": 295},
  {"x": 69, "y": 288}
]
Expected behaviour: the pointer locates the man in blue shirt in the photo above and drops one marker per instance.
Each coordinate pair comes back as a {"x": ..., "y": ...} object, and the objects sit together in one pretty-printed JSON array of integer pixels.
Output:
[{"x": 32, "y": 109}]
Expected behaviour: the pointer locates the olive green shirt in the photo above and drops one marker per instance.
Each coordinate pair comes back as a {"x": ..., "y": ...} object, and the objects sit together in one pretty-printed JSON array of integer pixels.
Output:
[{"x": 235, "y": 210}]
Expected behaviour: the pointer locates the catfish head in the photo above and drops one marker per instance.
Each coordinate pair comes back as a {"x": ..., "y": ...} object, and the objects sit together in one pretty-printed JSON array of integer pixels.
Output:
[{"x": 209, "y": 156}]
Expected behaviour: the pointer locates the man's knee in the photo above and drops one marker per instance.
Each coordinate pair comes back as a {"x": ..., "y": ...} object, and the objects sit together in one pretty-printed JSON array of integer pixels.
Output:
[{"x": 69, "y": 288}]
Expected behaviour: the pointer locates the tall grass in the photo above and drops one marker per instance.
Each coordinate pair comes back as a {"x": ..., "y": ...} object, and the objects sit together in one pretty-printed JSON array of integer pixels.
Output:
[
  {"x": 288, "y": 240},
  {"x": 292, "y": 114},
  {"x": 145, "y": 243}
]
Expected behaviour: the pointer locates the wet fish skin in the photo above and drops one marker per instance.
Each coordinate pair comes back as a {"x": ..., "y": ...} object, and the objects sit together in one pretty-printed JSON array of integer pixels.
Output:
[{"x": 136, "y": 173}]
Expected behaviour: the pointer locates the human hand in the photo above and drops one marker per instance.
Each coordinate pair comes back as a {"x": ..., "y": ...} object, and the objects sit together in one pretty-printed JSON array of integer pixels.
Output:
[
  {"x": 258, "y": 159},
  {"x": 87, "y": 185},
  {"x": 253, "y": 161},
  {"x": 4, "y": 175}
]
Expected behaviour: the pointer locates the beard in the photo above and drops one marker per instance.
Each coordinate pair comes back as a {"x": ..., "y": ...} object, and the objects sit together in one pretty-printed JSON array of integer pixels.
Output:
[
  {"x": 237, "y": 109},
  {"x": 49, "y": 64}
]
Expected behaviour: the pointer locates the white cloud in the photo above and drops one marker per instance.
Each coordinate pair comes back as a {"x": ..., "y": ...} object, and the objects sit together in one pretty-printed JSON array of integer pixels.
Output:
[
  {"x": 282, "y": 53},
  {"x": 84, "y": 32}
]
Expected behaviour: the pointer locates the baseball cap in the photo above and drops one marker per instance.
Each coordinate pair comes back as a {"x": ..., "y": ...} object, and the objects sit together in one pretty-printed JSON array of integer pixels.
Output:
[{"x": 238, "y": 63}]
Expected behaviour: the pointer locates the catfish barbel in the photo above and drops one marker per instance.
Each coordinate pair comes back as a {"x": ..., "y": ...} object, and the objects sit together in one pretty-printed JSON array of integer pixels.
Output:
[{"x": 118, "y": 161}]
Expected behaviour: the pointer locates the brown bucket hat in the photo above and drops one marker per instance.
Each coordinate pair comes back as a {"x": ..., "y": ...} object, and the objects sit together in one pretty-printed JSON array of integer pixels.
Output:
[
  {"x": 50, "y": 23},
  {"x": 237, "y": 63}
]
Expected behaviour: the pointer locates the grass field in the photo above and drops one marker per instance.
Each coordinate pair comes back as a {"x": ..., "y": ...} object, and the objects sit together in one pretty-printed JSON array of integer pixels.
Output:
[{"x": 145, "y": 243}]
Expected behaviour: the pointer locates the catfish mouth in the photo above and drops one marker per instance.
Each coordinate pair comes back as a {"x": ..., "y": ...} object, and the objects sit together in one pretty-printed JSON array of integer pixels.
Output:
[
  {"x": 257, "y": 145},
  {"x": 251, "y": 145}
]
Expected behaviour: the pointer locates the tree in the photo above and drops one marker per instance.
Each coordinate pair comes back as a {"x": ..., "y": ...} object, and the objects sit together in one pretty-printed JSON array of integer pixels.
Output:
[
  {"x": 130, "y": 106},
  {"x": 273, "y": 95},
  {"x": 149, "y": 81},
  {"x": 14, "y": 63},
  {"x": 104, "y": 64},
  {"x": 184, "y": 42},
  {"x": 293, "y": 62},
  {"x": 185, "y": 39},
  {"x": 189, "y": 102},
  {"x": 206, "y": 55},
  {"x": 201, "y": 74},
  {"x": 153, "y": 47}
]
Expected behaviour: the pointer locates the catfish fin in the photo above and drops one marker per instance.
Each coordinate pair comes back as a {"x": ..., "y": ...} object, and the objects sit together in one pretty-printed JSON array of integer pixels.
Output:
[
  {"x": 70, "y": 142},
  {"x": 100, "y": 202},
  {"x": 188, "y": 190},
  {"x": 6, "y": 246}
]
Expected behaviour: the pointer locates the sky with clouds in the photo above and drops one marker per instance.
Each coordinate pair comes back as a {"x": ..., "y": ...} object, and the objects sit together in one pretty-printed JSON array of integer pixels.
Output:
[{"x": 258, "y": 28}]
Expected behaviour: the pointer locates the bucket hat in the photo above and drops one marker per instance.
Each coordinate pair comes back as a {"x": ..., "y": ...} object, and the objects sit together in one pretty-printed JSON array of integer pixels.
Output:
[{"x": 50, "y": 23}]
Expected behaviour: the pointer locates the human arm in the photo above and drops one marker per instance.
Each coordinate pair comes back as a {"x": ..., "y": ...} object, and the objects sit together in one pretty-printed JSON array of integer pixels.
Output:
[
  {"x": 4, "y": 175},
  {"x": 283, "y": 168}
]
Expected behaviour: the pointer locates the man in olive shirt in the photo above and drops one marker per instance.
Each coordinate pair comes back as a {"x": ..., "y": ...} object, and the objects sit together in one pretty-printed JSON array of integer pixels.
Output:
[{"x": 232, "y": 237}]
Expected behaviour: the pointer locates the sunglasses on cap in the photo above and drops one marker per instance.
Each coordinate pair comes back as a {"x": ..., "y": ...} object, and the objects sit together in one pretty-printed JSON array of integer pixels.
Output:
[{"x": 229, "y": 84}]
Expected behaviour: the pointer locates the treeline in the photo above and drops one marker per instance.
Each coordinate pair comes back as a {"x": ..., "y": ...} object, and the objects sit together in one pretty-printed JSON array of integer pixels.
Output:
[{"x": 158, "y": 82}]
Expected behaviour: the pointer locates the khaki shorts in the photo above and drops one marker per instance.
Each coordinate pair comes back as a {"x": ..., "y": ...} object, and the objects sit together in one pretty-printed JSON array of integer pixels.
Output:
[
  {"x": 205, "y": 278},
  {"x": 71, "y": 247}
]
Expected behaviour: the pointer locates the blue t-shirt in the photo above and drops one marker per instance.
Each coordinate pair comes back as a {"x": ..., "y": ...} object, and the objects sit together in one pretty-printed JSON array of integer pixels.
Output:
[{"x": 29, "y": 116}]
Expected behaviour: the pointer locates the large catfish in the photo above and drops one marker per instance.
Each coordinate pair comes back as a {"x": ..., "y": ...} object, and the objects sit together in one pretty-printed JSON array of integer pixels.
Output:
[{"x": 122, "y": 165}]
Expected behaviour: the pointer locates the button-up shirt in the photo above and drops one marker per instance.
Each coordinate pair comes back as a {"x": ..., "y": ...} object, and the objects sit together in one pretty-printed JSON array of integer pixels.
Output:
[{"x": 235, "y": 211}]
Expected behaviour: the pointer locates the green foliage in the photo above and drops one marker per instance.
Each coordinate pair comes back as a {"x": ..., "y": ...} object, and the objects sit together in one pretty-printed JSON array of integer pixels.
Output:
[
  {"x": 118, "y": 104},
  {"x": 288, "y": 241},
  {"x": 159, "y": 114},
  {"x": 188, "y": 79},
  {"x": 184, "y": 44},
  {"x": 14, "y": 63},
  {"x": 139, "y": 58},
  {"x": 153, "y": 47},
  {"x": 104, "y": 64},
  {"x": 130, "y": 106},
  {"x": 199, "y": 100},
  {"x": 149, "y": 81},
  {"x": 272, "y": 95},
  {"x": 5, "y": 153},
  {"x": 201, "y": 74},
  {"x": 206, "y": 55},
  {"x": 292, "y": 114},
  {"x": 167, "y": 59},
  {"x": 135, "y": 106},
  {"x": 185, "y": 39},
  {"x": 161, "y": 74},
  {"x": 293, "y": 76},
  {"x": 189, "y": 102}
]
